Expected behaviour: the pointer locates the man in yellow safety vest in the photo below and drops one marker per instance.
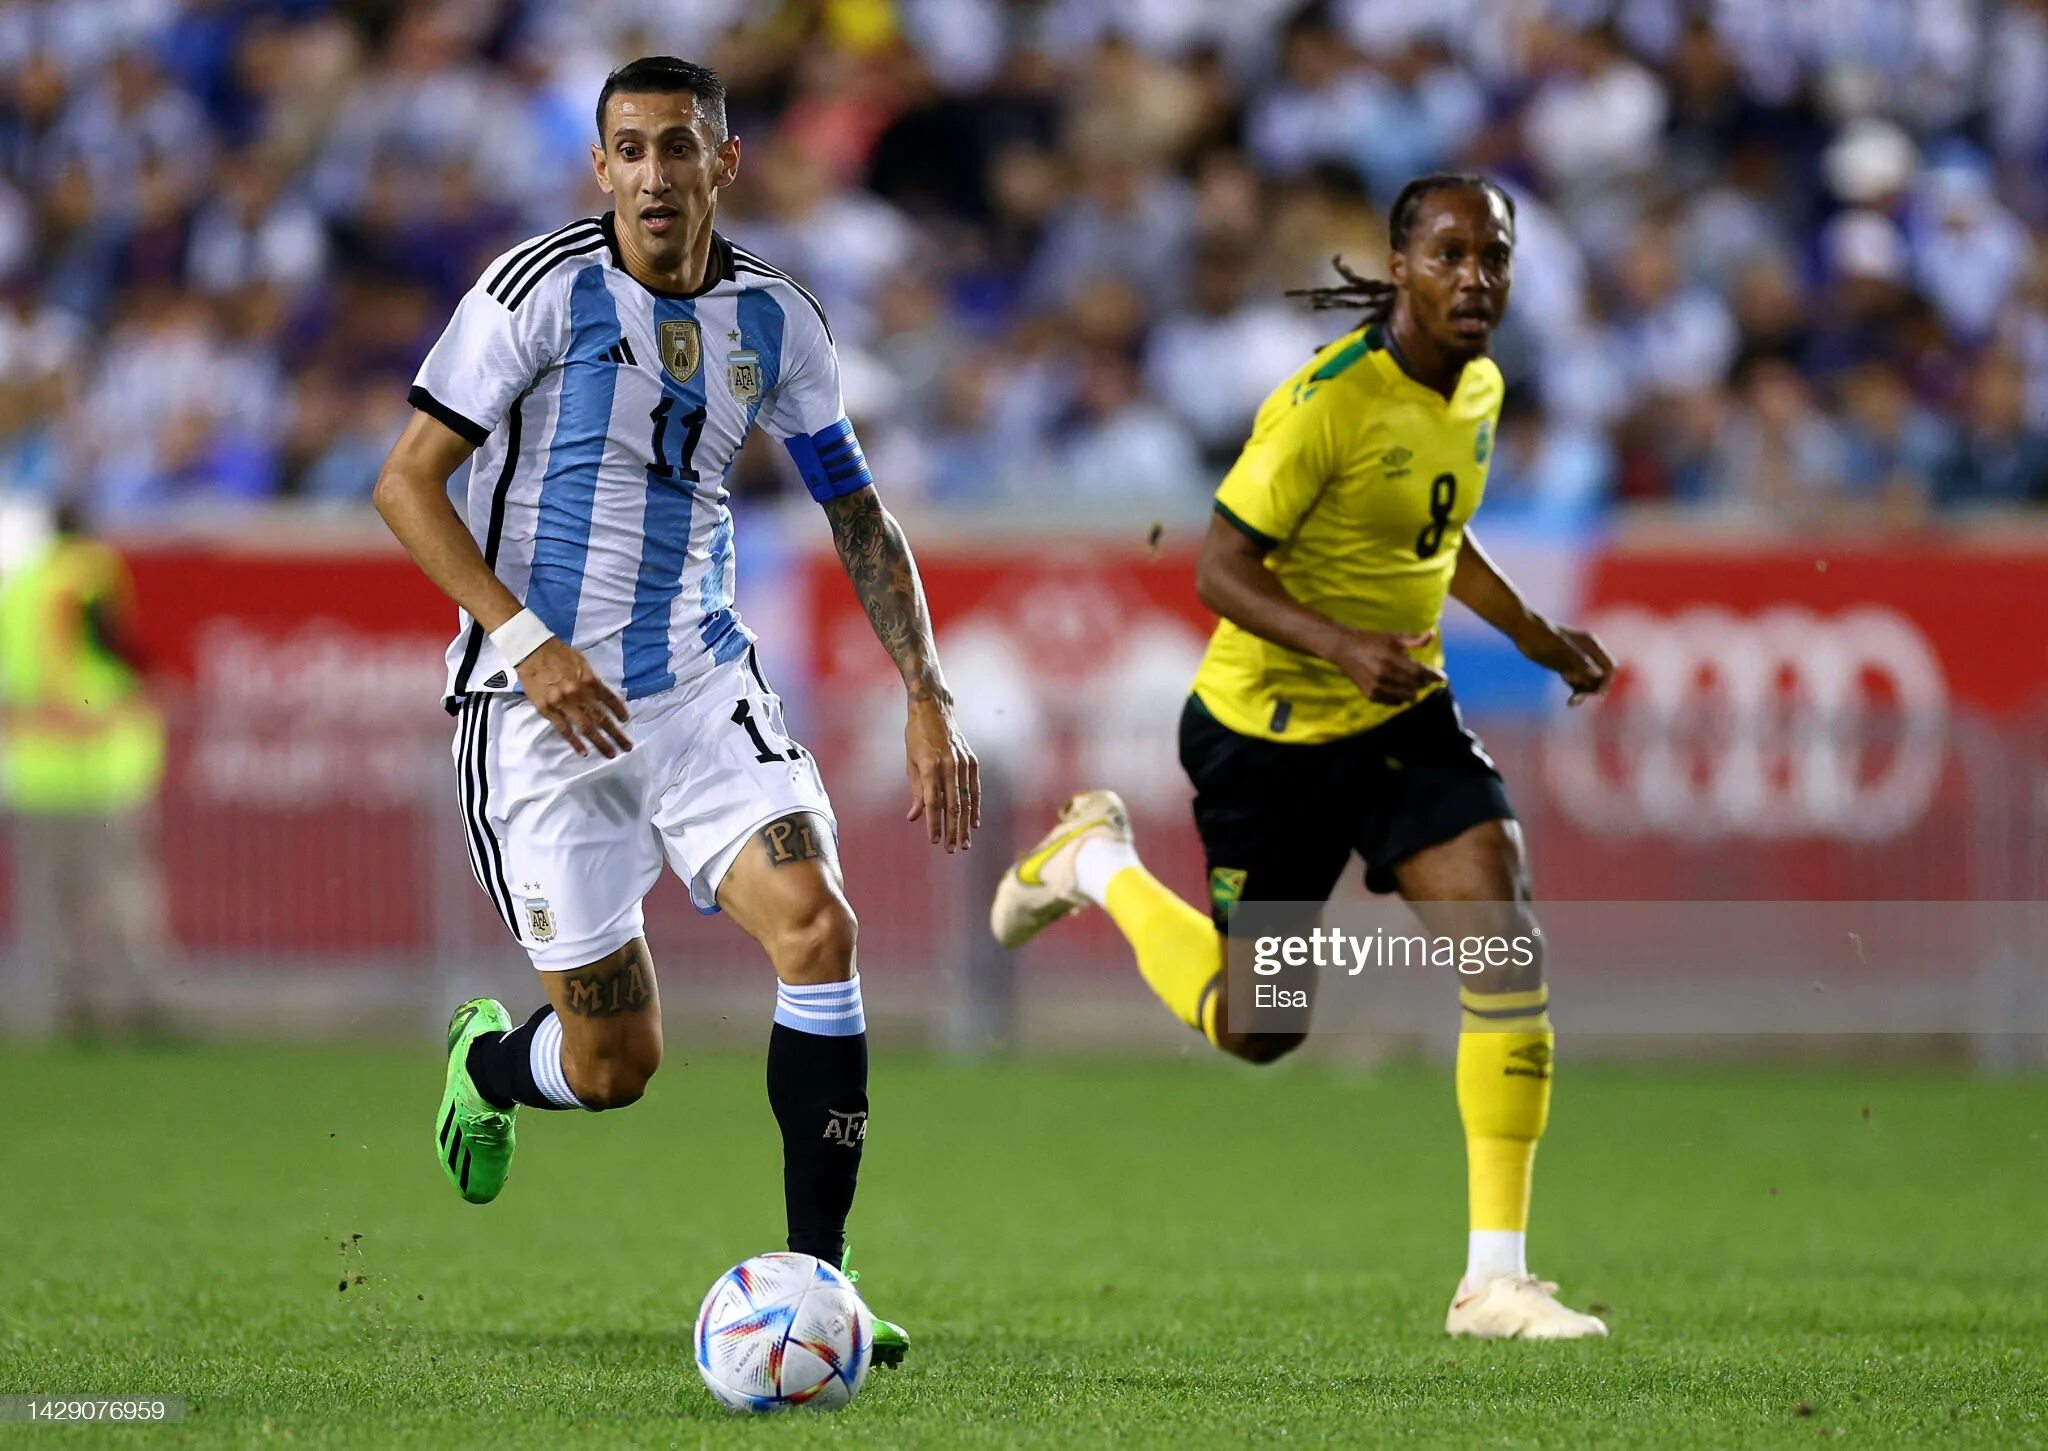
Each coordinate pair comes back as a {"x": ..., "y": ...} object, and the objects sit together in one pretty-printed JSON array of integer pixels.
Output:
[{"x": 81, "y": 759}]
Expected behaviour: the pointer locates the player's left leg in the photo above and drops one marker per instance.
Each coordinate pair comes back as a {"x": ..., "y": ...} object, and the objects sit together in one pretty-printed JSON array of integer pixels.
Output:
[
  {"x": 784, "y": 890},
  {"x": 1476, "y": 884}
]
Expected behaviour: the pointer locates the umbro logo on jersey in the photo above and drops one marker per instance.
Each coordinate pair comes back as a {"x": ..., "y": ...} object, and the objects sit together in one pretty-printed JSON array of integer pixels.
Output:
[
  {"x": 621, "y": 353},
  {"x": 1530, "y": 1062},
  {"x": 1396, "y": 460}
]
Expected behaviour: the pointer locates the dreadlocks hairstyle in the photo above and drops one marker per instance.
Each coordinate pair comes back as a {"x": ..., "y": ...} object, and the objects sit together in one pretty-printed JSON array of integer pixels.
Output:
[{"x": 1370, "y": 295}]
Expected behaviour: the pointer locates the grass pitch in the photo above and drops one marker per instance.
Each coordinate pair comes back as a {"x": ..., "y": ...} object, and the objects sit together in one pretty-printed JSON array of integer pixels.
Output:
[{"x": 1182, "y": 1253}]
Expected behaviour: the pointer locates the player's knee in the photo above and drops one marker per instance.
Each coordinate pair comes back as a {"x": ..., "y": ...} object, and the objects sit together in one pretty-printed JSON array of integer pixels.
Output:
[
  {"x": 1261, "y": 1048},
  {"x": 608, "y": 1083},
  {"x": 817, "y": 945},
  {"x": 617, "y": 1077}
]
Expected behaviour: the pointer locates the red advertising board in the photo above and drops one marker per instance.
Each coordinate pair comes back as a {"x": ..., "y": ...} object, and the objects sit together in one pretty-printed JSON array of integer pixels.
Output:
[{"x": 310, "y": 778}]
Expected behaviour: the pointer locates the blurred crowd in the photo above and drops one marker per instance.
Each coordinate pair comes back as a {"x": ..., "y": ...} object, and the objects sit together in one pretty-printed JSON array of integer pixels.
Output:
[{"x": 1778, "y": 259}]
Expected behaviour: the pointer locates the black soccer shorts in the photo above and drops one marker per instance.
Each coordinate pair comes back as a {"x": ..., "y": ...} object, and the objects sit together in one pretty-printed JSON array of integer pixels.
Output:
[{"x": 1279, "y": 822}]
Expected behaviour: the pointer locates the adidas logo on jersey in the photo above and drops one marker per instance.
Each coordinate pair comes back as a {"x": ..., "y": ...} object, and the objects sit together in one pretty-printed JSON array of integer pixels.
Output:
[{"x": 621, "y": 353}]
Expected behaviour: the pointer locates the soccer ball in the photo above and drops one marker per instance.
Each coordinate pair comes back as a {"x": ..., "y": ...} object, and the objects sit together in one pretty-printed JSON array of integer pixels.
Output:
[{"x": 784, "y": 1330}]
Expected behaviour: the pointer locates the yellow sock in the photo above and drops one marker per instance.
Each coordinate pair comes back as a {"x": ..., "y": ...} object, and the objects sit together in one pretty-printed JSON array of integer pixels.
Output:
[
  {"x": 1179, "y": 951},
  {"x": 1504, "y": 1052}
]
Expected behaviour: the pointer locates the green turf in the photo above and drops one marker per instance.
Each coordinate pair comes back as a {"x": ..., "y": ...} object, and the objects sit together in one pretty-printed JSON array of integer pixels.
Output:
[{"x": 1177, "y": 1253}]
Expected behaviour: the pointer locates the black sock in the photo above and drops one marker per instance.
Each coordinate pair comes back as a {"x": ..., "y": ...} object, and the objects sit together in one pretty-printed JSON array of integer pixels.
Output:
[
  {"x": 501, "y": 1064},
  {"x": 818, "y": 1087}
]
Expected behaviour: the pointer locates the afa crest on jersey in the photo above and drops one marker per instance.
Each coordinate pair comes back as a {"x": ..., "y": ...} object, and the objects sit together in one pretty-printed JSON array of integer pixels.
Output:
[
  {"x": 540, "y": 919},
  {"x": 682, "y": 349},
  {"x": 743, "y": 376}
]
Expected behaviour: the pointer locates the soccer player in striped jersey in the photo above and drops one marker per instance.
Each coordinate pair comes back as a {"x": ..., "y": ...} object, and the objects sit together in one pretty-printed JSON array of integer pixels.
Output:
[
  {"x": 1321, "y": 726},
  {"x": 612, "y": 713}
]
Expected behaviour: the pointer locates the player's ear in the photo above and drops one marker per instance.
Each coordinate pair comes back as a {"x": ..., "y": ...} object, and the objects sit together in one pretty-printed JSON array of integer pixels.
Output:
[
  {"x": 1397, "y": 267},
  {"x": 597, "y": 165},
  {"x": 728, "y": 169}
]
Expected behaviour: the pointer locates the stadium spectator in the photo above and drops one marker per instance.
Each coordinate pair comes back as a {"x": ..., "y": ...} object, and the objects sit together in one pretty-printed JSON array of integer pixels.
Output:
[
  {"x": 1213, "y": 362},
  {"x": 2000, "y": 455}
]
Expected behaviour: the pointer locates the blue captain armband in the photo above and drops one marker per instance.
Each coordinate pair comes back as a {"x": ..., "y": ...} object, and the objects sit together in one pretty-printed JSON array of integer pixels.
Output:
[{"x": 830, "y": 461}]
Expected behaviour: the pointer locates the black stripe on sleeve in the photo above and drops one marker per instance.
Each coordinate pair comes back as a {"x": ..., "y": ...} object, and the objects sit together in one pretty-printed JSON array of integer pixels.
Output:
[
  {"x": 472, "y": 431},
  {"x": 748, "y": 262},
  {"x": 492, "y": 536},
  {"x": 526, "y": 288},
  {"x": 526, "y": 252},
  {"x": 541, "y": 259},
  {"x": 1258, "y": 537}
]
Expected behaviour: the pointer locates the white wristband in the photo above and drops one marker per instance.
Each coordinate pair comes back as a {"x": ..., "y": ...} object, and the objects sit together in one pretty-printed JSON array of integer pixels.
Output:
[{"x": 520, "y": 636}]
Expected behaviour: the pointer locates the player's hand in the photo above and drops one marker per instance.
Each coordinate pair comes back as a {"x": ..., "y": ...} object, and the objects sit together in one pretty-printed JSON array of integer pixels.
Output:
[
  {"x": 1575, "y": 656},
  {"x": 1379, "y": 664},
  {"x": 561, "y": 685},
  {"x": 945, "y": 778}
]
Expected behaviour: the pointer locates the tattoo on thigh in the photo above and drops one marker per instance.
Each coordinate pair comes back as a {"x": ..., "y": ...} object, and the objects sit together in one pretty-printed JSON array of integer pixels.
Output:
[
  {"x": 792, "y": 839},
  {"x": 610, "y": 991}
]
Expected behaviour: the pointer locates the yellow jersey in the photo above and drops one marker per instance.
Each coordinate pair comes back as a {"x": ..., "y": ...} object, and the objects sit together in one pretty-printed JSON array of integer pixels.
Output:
[{"x": 1359, "y": 480}]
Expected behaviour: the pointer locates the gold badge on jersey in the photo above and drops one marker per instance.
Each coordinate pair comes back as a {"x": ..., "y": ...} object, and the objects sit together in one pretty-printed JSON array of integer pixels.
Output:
[
  {"x": 743, "y": 376},
  {"x": 682, "y": 349}
]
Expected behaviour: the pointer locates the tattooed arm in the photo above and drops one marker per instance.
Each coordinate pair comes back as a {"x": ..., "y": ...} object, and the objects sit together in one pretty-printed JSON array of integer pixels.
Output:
[{"x": 945, "y": 778}]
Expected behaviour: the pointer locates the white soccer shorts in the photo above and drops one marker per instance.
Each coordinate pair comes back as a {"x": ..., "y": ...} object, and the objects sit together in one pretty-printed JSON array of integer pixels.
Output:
[{"x": 566, "y": 846}]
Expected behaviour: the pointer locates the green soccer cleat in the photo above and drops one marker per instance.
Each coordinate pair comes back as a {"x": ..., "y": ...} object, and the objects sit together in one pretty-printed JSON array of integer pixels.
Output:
[
  {"x": 892, "y": 1341},
  {"x": 472, "y": 1138}
]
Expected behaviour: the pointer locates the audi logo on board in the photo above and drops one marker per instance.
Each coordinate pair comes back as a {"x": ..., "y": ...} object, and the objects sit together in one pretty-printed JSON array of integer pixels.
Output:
[{"x": 1779, "y": 723}]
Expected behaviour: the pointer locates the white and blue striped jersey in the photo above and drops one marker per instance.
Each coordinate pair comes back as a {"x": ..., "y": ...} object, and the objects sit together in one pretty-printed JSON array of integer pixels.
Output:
[{"x": 606, "y": 417}]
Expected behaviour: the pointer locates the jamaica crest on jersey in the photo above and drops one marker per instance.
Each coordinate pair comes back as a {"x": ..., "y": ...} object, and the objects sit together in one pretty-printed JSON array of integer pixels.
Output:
[{"x": 682, "y": 349}]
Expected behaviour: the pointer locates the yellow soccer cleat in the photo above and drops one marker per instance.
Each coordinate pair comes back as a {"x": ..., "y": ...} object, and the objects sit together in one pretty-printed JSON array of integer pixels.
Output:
[
  {"x": 1518, "y": 1307},
  {"x": 1039, "y": 888}
]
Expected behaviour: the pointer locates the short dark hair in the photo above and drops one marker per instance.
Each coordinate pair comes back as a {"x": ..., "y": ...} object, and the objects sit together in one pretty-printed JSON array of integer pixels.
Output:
[{"x": 666, "y": 74}]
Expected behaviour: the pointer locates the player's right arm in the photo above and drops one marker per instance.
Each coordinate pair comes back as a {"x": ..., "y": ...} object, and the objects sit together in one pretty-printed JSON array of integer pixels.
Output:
[
  {"x": 1302, "y": 437},
  {"x": 488, "y": 356}
]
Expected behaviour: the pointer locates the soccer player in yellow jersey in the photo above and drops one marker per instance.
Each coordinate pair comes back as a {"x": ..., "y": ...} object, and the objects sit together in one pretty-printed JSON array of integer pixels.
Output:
[{"x": 1321, "y": 724}]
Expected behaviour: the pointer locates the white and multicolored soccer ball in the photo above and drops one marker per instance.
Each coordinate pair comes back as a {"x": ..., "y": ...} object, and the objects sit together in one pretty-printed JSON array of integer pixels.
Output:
[{"x": 784, "y": 1330}]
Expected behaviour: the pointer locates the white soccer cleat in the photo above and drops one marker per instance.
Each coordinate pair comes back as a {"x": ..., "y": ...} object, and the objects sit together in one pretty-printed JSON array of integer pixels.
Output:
[
  {"x": 1518, "y": 1307},
  {"x": 1039, "y": 887}
]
